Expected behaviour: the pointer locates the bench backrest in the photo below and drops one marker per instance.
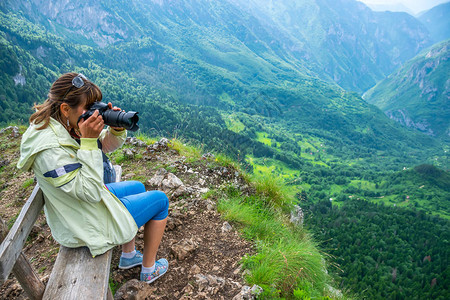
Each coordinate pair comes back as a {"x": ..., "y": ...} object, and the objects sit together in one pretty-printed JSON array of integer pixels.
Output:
[
  {"x": 75, "y": 274},
  {"x": 12, "y": 245}
]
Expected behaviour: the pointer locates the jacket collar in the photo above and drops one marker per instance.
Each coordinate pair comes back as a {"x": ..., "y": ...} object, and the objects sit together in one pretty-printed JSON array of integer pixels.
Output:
[{"x": 64, "y": 138}]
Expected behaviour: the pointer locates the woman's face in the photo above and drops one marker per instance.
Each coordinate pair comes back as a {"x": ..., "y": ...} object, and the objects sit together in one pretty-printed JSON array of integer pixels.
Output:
[{"x": 75, "y": 113}]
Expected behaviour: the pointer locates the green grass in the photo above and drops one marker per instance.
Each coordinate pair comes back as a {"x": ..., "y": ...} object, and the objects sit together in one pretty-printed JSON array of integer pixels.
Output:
[
  {"x": 190, "y": 152},
  {"x": 27, "y": 183},
  {"x": 233, "y": 123},
  {"x": 271, "y": 166},
  {"x": 288, "y": 264},
  {"x": 272, "y": 191},
  {"x": 262, "y": 137},
  {"x": 113, "y": 285}
]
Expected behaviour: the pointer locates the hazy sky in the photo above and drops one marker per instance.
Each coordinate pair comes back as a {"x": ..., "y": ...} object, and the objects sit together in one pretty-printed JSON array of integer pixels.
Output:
[{"x": 415, "y": 6}]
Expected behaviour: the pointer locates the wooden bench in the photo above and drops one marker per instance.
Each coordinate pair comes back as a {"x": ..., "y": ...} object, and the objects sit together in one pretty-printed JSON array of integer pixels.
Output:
[{"x": 75, "y": 274}]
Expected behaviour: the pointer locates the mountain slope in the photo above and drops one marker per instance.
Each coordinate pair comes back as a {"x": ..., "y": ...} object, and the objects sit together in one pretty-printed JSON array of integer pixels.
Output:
[
  {"x": 339, "y": 41},
  {"x": 301, "y": 107},
  {"x": 349, "y": 43},
  {"x": 417, "y": 95},
  {"x": 437, "y": 21}
]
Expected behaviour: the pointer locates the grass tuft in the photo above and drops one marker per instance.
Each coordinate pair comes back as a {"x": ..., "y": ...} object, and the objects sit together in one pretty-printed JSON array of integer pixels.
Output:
[
  {"x": 27, "y": 183},
  {"x": 287, "y": 259},
  {"x": 190, "y": 152},
  {"x": 273, "y": 191}
]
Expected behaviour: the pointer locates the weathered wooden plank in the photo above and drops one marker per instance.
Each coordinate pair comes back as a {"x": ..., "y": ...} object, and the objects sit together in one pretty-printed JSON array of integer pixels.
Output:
[
  {"x": 77, "y": 275},
  {"x": 23, "y": 271},
  {"x": 12, "y": 245},
  {"x": 28, "y": 279},
  {"x": 110, "y": 295}
]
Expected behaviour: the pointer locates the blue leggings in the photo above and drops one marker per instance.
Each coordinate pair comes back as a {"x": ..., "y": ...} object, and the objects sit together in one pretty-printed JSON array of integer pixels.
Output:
[{"x": 143, "y": 206}]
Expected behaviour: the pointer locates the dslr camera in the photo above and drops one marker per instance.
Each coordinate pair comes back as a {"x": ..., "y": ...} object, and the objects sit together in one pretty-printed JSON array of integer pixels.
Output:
[{"x": 114, "y": 118}]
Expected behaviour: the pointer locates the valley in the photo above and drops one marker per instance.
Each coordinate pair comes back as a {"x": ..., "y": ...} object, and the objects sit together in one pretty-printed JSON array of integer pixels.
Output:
[{"x": 276, "y": 86}]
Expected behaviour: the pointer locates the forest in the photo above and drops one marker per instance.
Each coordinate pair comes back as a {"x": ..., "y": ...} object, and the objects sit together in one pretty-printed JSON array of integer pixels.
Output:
[
  {"x": 377, "y": 194},
  {"x": 383, "y": 252}
]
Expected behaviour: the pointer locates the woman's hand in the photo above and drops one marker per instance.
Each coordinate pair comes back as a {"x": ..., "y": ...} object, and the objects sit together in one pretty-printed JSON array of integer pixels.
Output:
[
  {"x": 91, "y": 127},
  {"x": 117, "y": 109}
]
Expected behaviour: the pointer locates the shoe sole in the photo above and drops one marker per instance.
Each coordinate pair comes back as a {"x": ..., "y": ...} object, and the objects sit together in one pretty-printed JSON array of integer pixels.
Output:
[{"x": 129, "y": 267}]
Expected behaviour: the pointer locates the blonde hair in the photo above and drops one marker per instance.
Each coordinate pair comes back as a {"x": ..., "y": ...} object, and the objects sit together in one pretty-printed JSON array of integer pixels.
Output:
[{"x": 51, "y": 106}]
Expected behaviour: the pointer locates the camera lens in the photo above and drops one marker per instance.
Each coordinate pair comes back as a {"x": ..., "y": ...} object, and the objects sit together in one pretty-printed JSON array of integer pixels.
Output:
[{"x": 126, "y": 120}]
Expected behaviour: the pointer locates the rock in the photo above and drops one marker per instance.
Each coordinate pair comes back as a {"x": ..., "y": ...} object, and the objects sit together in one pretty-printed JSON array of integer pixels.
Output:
[
  {"x": 130, "y": 140},
  {"x": 161, "y": 145},
  {"x": 237, "y": 271},
  {"x": 141, "y": 144},
  {"x": 209, "y": 283},
  {"x": 168, "y": 183},
  {"x": 14, "y": 131},
  {"x": 156, "y": 180},
  {"x": 297, "y": 216},
  {"x": 182, "y": 190},
  {"x": 171, "y": 182},
  {"x": 210, "y": 205},
  {"x": 208, "y": 155},
  {"x": 184, "y": 248},
  {"x": 173, "y": 223},
  {"x": 226, "y": 227},
  {"x": 194, "y": 270},
  {"x": 134, "y": 290},
  {"x": 337, "y": 294},
  {"x": 256, "y": 290},
  {"x": 128, "y": 176},
  {"x": 202, "y": 282},
  {"x": 128, "y": 152},
  {"x": 248, "y": 293},
  {"x": 203, "y": 190},
  {"x": 135, "y": 142}
]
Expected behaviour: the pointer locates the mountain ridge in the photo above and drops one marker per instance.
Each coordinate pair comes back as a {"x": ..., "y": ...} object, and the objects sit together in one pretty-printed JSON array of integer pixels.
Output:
[
  {"x": 296, "y": 102},
  {"x": 437, "y": 22},
  {"x": 349, "y": 41},
  {"x": 417, "y": 94}
]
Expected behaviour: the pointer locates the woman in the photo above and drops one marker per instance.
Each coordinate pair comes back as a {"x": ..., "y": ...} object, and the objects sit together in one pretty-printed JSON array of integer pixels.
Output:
[{"x": 67, "y": 162}]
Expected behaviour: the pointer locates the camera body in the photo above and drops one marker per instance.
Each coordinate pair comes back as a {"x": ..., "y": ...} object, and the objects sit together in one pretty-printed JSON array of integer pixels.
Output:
[{"x": 114, "y": 118}]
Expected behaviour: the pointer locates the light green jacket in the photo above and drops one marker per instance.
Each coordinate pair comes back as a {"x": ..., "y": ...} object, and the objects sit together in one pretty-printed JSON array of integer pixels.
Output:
[{"x": 79, "y": 209}]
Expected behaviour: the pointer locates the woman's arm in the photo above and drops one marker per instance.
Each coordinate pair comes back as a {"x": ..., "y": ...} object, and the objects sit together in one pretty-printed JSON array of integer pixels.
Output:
[{"x": 112, "y": 139}]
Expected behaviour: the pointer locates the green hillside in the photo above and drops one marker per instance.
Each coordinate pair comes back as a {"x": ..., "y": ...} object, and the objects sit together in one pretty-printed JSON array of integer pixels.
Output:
[
  {"x": 338, "y": 41},
  {"x": 225, "y": 76},
  {"x": 417, "y": 94},
  {"x": 303, "y": 126},
  {"x": 437, "y": 22}
]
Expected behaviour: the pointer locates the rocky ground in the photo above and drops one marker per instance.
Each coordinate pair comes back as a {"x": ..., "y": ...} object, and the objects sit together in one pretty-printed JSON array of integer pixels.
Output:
[{"x": 203, "y": 251}]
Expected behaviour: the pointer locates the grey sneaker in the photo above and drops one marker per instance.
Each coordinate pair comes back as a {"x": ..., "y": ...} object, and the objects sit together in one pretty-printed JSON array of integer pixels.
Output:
[
  {"x": 128, "y": 263},
  {"x": 161, "y": 267}
]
